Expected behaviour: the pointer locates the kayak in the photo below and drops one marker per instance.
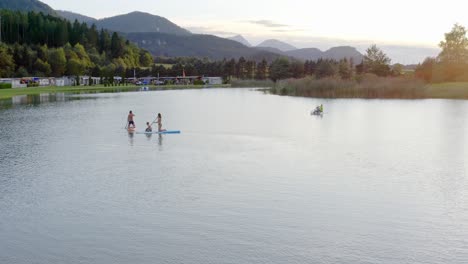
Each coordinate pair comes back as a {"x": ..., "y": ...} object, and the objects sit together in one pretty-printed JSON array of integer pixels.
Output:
[{"x": 161, "y": 132}]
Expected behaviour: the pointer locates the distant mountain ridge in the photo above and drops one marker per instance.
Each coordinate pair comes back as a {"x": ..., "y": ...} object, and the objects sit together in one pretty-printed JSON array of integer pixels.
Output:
[
  {"x": 197, "y": 45},
  {"x": 274, "y": 43},
  {"x": 134, "y": 22},
  {"x": 141, "y": 22},
  {"x": 26, "y": 6},
  {"x": 241, "y": 39},
  {"x": 71, "y": 16},
  {"x": 138, "y": 22}
]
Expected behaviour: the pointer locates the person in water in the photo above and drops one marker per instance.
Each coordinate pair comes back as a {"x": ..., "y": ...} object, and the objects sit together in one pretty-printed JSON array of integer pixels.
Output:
[
  {"x": 159, "y": 122},
  {"x": 130, "y": 120},
  {"x": 321, "y": 108},
  {"x": 148, "y": 128}
]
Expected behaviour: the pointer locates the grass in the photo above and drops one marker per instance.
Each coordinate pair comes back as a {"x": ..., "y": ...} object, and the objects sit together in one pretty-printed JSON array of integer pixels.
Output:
[
  {"x": 252, "y": 83},
  {"x": 9, "y": 93},
  {"x": 455, "y": 90},
  {"x": 165, "y": 65},
  {"x": 371, "y": 87}
]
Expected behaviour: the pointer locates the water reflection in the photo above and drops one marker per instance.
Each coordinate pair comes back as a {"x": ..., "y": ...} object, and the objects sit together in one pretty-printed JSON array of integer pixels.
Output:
[
  {"x": 38, "y": 99},
  {"x": 131, "y": 138},
  {"x": 160, "y": 140}
]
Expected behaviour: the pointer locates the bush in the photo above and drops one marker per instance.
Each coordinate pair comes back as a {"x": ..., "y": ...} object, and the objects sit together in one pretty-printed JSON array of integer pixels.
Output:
[
  {"x": 33, "y": 84},
  {"x": 198, "y": 82},
  {"x": 5, "y": 85}
]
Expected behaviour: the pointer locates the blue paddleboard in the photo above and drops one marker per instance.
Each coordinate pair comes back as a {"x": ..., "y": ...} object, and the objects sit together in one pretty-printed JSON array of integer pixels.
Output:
[{"x": 161, "y": 133}]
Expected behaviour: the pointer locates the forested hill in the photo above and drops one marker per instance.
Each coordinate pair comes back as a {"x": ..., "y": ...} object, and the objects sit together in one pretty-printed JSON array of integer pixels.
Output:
[
  {"x": 44, "y": 45},
  {"x": 199, "y": 46},
  {"x": 26, "y": 5},
  {"x": 141, "y": 22}
]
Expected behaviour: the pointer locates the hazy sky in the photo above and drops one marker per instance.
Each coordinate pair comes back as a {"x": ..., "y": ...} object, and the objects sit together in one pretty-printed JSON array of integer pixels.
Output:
[{"x": 300, "y": 22}]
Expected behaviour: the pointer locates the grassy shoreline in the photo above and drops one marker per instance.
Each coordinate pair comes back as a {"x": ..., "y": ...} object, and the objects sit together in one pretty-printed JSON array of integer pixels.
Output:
[
  {"x": 10, "y": 93},
  {"x": 370, "y": 88},
  {"x": 301, "y": 88}
]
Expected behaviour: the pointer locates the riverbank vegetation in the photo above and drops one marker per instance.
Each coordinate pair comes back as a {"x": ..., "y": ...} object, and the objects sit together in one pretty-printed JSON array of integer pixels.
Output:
[
  {"x": 365, "y": 86},
  {"x": 441, "y": 77}
]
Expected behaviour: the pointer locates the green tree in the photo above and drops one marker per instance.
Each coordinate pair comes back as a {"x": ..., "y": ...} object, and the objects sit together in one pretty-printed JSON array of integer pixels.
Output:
[
  {"x": 262, "y": 70},
  {"x": 326, "y": 68},
  {"x": 279, "y": 69},
  {"x": 146, "y": 60},
  {"x": 42, "y": 68},
  {"x": 345, "y": 69},
  {"x": 57, "y": 61},
  {"x": 104, "y": 41},
  {"x": 297, "y": 69},
  {"x": 7, "y": 64},
  {"x": 22, "y": 72},
  {"x": 425, "y": 70},
  {"x": 455, "y": 46},
  {"x": 397, "y": 69},
  {"x": 75, "y": 67},
  {"x": 117, "y": 46},
  {"x": 376, "y": 61}
]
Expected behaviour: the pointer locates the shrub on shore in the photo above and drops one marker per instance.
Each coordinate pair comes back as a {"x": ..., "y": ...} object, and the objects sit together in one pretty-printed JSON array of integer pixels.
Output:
[{"x": 363, "y": 86}]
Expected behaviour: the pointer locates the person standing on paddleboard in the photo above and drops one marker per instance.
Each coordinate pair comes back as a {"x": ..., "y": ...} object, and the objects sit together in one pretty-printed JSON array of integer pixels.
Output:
[
  {"x": 130, "y": 119},
  {"x": 159, "y": 122}
]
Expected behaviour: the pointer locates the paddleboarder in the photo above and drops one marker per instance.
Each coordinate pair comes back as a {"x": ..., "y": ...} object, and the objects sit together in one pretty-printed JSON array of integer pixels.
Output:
[
  {"x": 148, "y": 128},
  {"x": 159, "y": 122},
  {"x": 130, "y": 119}
]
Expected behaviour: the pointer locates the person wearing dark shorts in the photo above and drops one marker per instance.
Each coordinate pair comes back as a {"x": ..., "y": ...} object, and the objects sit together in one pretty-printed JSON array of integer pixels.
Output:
[{"x": 130, "y": 119}]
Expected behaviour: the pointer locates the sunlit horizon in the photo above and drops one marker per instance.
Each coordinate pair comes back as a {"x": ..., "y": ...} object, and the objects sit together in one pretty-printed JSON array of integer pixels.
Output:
[{"x": 410, "y": 23}]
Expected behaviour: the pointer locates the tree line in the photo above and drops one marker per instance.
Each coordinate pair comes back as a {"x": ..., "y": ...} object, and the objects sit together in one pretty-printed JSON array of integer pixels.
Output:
[
  {"x": 451, "y": 65},
  {"x": 44, "y": 45},
  {"x": 375, "y": 61}
]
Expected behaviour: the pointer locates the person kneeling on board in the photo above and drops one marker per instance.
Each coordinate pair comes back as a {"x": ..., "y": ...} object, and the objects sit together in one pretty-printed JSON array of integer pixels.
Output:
[{"x": 149, "y": 128}]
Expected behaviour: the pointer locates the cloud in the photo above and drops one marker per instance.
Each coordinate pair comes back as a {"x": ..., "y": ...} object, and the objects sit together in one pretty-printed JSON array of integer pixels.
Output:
[
  {"x": 288, "y": 30},
  {"x": 268, "y": 23}
]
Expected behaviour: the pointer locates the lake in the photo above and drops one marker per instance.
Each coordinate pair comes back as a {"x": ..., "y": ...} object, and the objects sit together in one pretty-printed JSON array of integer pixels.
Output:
[{"x": 253, "y": 178}]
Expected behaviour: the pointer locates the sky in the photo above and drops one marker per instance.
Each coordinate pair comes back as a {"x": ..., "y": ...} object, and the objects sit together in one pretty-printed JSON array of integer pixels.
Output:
[{"x": 303, "y": 23}]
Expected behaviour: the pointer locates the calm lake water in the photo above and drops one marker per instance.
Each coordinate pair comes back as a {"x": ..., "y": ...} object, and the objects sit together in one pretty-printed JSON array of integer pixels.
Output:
[{"x": 253, "y": 178}]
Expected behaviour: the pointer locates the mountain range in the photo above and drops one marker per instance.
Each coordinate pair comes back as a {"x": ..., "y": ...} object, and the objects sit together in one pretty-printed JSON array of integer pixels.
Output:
[
  {"x": 197, "y": 45},
  {"x": 130, "y": 23},
  {"x": 241, "y": 39},
  {"x": 164, "y": 38},
  {"x": 274, "y": 43}
]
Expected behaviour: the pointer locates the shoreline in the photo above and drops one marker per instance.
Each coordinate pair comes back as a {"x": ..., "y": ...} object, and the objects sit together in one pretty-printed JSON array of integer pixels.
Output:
[
  {"x": 6, "y": 94},
  {"x": 405, "y": 89},
  {"x": 451, "y": 90}
]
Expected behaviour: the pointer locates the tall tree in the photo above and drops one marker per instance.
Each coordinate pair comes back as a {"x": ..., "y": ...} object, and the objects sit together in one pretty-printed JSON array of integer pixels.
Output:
[
  {"x": 58, "y": 62},
  {"x": 376, "y": 61},
  {"x": 7, "y": 64},
  {"x": 279, "y": 69},
  {"x": 117, "y": 46},
  {"x": 455, "y": 46},
  {"x": 262, "y": 70}
]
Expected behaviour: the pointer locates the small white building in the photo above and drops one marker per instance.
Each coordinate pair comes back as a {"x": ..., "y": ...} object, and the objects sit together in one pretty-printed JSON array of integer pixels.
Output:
[{"x": 213, "y": 80}]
